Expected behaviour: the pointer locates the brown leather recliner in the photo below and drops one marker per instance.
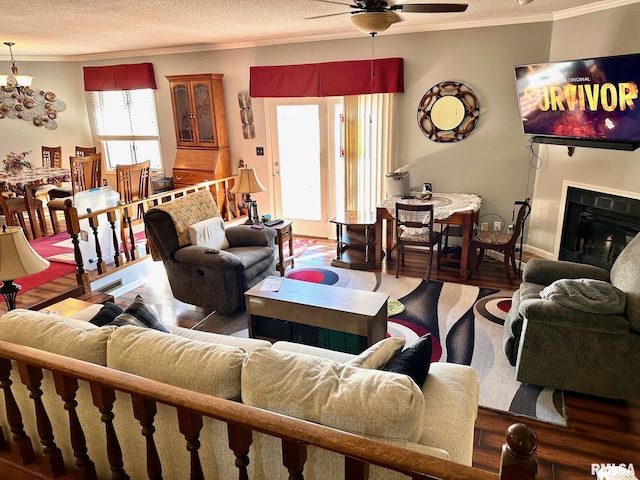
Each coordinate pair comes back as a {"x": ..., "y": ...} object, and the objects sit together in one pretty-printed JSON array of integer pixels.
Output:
[{"x": 214, "y": 280}]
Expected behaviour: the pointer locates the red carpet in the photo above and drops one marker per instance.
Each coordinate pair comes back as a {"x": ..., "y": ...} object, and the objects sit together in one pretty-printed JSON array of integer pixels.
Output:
[
  {"x": 300, "y": 245},
  {"x": 45, "y": 248}
]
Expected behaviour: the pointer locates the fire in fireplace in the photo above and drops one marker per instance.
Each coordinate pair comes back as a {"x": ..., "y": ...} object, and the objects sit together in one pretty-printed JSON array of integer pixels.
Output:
[{"x": 597, "y": 226}]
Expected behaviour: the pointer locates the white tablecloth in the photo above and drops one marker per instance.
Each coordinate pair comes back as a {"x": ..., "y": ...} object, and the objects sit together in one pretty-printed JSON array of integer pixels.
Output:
[{"x": 444, "y": 204}]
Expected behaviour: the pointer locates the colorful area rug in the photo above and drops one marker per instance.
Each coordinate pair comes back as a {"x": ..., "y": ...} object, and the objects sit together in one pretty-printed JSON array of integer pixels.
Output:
[
  {"x": 46, "y": 248},
  {"x": 466, "y": 325}
]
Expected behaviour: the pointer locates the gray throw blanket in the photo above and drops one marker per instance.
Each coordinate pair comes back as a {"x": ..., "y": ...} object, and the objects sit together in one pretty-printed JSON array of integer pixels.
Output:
[{"x": 587, "y": 295}]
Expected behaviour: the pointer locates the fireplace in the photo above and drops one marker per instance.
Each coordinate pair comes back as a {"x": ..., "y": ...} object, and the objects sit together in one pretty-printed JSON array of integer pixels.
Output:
[{"x": 597, "y": 226}]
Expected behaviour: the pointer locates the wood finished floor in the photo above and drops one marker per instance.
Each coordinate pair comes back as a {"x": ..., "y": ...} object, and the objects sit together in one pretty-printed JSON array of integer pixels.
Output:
[{"x": 598, "y": 431}]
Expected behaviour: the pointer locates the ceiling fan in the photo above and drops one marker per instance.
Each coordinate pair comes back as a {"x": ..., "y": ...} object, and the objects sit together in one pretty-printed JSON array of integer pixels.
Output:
[{"x": 376, "y": 16}]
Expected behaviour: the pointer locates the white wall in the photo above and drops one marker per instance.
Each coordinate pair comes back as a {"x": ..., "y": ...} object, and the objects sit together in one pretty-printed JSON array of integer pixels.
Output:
[{"x": 613, "y": 32}]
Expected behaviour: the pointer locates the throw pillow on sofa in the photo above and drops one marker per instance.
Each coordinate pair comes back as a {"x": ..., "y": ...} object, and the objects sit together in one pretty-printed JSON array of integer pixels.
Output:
[
  {"x": 356, "y": 400},
  {"x": 414, "y": 361},
  {"x": 139, "y": 314},
  {"x": 107, "y": 314},
  {"x": 378, "y": 354}
]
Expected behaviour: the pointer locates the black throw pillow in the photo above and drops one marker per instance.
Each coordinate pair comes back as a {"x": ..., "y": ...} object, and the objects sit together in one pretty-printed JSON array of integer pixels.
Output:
[
  {"x": 413, "y": 361},
  {"x": 140, "y": 315},
  {"x": 106, "y": 314}
]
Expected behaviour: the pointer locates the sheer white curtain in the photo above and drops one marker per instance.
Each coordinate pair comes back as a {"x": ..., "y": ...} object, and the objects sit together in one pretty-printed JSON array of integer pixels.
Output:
[{"x": 369, "y": 148}]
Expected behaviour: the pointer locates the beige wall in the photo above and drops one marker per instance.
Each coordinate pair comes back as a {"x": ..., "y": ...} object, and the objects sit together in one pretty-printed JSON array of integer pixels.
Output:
[
  {"x": 613, "y": 32},
  {"x": 65, "y": 81},
  {"x": 492, "y": 162}
]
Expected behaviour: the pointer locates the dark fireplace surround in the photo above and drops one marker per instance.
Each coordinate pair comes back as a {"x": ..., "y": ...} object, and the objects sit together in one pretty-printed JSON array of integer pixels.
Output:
[{"x": 597, "y": 226}]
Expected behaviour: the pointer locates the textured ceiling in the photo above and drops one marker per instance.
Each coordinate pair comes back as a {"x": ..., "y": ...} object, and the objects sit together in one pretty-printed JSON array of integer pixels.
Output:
[{"x": 84, "y": 29}]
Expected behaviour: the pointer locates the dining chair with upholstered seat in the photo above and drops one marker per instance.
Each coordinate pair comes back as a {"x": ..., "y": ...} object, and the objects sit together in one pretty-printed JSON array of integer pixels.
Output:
[
  {"x": 86, "y": 173},
  {"x": 13, "y": 209},
  {"x": 503, "y": 242},
  {"x": 67, "y": 190},
  {"x": 414, "y": 229},
  {"x": 133, "y": 183}
]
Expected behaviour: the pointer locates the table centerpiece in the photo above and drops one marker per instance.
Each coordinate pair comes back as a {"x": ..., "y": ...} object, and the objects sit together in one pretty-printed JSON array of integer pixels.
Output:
[{"x": 15, "y": 162}]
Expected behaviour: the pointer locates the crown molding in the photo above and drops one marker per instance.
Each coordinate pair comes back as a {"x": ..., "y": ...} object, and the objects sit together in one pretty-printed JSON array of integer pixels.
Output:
[{"x": 396, "y": 29}]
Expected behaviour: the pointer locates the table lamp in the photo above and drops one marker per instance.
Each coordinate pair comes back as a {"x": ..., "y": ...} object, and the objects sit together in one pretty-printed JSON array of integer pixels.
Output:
[
  {"x": 17, "y": 259},
  {"x": 247, "y": 182}
]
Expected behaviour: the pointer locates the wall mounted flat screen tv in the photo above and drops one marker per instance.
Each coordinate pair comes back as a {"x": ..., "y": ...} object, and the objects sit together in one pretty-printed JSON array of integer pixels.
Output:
[{"x": 594, "y": 99}]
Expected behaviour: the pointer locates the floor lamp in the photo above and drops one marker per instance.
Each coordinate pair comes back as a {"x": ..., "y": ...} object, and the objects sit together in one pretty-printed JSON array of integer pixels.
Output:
[
  {"x": 247, "y": 183},
  {"x": 17, "y": 259}
]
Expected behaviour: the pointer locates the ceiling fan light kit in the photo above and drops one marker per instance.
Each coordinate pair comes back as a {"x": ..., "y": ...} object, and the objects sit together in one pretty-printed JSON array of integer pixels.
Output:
[
  {"x": 376, "y": 16},
  {"x": 374, "y": 22}
]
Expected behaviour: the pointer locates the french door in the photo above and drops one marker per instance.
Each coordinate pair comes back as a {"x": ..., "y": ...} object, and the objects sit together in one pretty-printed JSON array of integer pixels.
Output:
[{"x": 306, "y": 151}]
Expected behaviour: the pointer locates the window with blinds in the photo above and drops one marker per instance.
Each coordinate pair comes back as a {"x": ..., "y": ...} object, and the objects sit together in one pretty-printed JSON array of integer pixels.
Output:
[{"x": 126, "y": 123}]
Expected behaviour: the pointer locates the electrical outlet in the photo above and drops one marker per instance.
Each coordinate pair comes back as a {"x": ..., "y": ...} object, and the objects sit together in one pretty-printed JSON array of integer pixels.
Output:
[
  {"x": 510, "y": 229},
  {"x": 484, "y": 226},
  {"x": 497, "y": 226},
  {"x": 259, "y": 151}
]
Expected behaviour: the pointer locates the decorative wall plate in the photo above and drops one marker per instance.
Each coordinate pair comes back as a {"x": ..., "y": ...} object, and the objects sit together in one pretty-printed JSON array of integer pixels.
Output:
[
  {"x": 448, "y": 112},
  {"x": 26, "y": 104}
]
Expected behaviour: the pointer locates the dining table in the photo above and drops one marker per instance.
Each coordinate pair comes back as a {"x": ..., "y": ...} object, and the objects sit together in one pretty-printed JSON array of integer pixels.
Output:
[
  {"x": 461, "y": 209},
  {"x": 24, "y": 182}
]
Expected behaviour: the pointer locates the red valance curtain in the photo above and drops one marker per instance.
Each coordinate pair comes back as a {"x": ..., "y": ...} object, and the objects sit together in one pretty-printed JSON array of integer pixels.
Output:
[
  {"x": 112, "y": 78},
  {"x": 328, "y": 79}
]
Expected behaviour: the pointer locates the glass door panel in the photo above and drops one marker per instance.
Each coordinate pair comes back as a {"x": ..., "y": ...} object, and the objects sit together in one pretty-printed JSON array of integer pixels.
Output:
[
  {"x": 183, "y": 114},
  {"x": 202, "y": 98},
  {"x": 299, "y": 164}
]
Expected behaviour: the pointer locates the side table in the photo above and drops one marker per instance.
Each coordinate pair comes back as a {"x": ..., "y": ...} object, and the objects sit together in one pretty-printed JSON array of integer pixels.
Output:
[
  {"x": 284, "y": 233},
  {"x": 355, "y": 240}
]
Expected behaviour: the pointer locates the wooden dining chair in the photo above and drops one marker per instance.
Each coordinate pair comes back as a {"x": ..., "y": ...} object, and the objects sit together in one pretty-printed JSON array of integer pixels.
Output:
[
  {"x": 13, "y": 209},
  {"x": 133, "y": 182},
  {"x": 504, "y": 242},
  {"x": 85, "y": 151},
  {"x": 86, "y": 173},
  {"x": 51, "y": 158},
  {"x": 414, "y": 229}
]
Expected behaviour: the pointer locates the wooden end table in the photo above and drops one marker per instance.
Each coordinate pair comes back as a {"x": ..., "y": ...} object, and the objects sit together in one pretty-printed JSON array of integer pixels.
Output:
[
  {"x": 355, "y": 240},
  {"x": 284, "y": 234},
  {"x": 332, "y": 317}
]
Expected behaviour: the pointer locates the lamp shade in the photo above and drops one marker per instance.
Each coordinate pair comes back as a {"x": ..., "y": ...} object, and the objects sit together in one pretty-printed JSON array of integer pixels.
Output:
[
  {"x": 17, "y": 258},
  {"x": 374, "y": 22},
  {"x": 247, "y": 182}
]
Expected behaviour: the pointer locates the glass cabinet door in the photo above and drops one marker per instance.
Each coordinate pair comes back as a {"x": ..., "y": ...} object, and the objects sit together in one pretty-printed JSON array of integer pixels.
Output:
[
  {"x": 184, "y": 122},
  {"x": 206, "y": 129}
]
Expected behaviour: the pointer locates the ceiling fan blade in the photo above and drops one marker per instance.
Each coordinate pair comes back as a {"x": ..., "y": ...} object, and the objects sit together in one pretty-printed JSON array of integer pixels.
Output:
[
  {"x": 335, "y": 3},
  {"x": 328, "y": 15},
  {"x": 430, "y": 7}
]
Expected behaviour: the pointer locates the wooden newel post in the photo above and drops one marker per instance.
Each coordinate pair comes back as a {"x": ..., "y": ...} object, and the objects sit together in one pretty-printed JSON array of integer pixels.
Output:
[{"x": 518, "y": 460}]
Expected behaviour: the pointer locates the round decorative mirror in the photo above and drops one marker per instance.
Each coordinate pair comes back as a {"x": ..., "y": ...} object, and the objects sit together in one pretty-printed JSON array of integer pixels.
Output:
[{"x": 448, "y": 112}]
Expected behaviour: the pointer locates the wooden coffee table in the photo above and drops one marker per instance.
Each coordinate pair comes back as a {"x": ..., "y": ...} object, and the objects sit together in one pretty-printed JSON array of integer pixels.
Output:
[{"x": 337, "y": 318}]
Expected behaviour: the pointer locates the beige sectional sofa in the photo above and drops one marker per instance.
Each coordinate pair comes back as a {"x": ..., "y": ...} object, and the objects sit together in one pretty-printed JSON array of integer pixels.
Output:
[{"x": 336, "y": 389}]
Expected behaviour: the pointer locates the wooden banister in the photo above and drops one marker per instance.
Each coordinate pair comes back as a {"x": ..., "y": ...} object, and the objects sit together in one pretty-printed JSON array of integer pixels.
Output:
[
  {"x": 126, "y": 251},
  {"x": 241, "y": 419}
]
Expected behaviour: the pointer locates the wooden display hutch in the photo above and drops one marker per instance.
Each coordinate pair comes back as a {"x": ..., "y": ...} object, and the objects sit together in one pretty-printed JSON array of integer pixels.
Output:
[{"x": 201, "y": 131}]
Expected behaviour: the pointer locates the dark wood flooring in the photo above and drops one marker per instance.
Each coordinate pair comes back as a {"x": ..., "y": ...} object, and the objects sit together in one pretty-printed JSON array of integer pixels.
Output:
[{"x": 599, "y": 430}]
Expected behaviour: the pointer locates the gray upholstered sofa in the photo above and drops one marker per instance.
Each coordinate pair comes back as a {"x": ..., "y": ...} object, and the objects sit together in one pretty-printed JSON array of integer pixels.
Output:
[
  {"x": 555, "y": 345},
  {"x": 211, "y": 278}
]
